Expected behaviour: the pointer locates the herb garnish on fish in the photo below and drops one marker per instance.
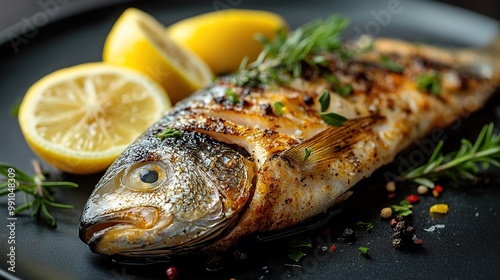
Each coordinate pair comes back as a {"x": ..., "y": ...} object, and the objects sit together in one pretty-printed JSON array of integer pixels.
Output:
[
  {"x": 333, "y": 119},
  {"x": 308, "y": 152},
  {"x": 284, "y": 57},
  {"x": 232, "y": 96},
  {"x": 169, "y": 132},
  {"x": 324, "y": 100},
  {"x": 430, "y": 83},
  {"x": 279, "y": 108},
  {"x": 390, "y": 64},
  {"x": 342, "y": 90}
]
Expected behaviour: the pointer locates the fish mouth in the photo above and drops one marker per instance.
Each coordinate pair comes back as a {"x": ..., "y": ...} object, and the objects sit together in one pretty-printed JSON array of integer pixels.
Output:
[{"x": 144, "y": 217}]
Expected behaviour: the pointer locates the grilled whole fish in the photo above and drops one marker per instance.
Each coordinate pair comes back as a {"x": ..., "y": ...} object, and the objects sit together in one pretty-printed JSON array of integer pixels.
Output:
[{"x": 234, "y": 165}]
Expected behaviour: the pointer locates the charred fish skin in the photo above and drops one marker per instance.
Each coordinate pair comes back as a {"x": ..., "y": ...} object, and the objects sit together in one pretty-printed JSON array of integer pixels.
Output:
[
  {"x": 198, "y": 188},
  {"x": 240, "y": 166}
]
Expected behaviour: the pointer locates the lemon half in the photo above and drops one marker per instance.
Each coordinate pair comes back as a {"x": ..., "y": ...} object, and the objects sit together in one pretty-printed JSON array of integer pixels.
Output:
[
  {"x": 138, "y": 41},
  {"x": 80, "y": 118},
  {"x": 224, "y": 38}
]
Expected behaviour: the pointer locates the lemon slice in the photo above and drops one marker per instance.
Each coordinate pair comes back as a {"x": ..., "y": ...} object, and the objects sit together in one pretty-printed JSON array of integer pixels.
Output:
[
  {"x": 80, "y": 118},
  {"x": 223, "y": 38},
  {"x": 138, "y": 41}
]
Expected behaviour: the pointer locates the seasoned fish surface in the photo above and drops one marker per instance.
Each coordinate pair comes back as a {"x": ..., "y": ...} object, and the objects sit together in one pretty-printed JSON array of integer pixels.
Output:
[{"x": 234, "y": 164}]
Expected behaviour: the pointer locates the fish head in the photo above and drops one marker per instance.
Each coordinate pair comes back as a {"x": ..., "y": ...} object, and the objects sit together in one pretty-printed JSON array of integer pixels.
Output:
[{"x": 166, "y": 196}]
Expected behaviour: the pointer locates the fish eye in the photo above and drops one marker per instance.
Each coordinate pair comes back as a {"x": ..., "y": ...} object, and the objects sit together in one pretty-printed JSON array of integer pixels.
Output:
[
  {"x": 149, "y": 176},
  {"x": 146, "y": 176}
]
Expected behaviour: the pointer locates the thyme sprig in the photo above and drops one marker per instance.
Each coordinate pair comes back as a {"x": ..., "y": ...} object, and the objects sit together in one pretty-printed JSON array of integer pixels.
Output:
[
  {"x": 41, "y": 191},
  {"x": 430, "y": 83},
  {"x": 460, "y": 165},
  {"x": 284, "y": 57}
]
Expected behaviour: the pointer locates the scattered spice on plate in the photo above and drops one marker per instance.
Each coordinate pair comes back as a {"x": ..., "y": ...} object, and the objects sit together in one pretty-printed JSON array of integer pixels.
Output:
[
  {"x": 296, "y": 255},
  {"x": 239, "y": 255},
  {"x": 172, "y": 273},
  {"x": 437, "y": 190},
  {"x": 412, "y": 198},
  {"x": 348, "y": 235},
  {"x": 432, "y": 228},
  {"x": 422, "y": 189},
  {"x": 386, "y": 213},
  {"x": 364, "y": 250},
  {"x": 296, "y": 245},
  {"x": 403, "y": 235},
  {"x": 368, "y": 226},
  {"x": 403, "y": 209},
  {"x": 439, "y": 208},
  {"x": 390, "y": 186}
]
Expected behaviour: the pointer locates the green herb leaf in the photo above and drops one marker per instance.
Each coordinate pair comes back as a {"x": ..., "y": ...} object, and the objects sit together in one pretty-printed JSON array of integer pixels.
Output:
[
  {"x": 405, "y": 213},
  {"x": 307, "y": 153},
  {"x": 324, "y": 100},
  {"x": 19, "y": 174},
  {"x": 168, "y": 133},
  {"x": 279, "y": 108},
  {"x": 335, "y": 84},
  {"x": 232, "y": 96},
  {"x": 390, "y": 64},
  {"x": 331, "y": 79},
  {"x": 297, "y": 242},
  {"x": 364, "y": 250},
  {"x": 369, "y": 226},
  {"x": 296, "y": 255},
  {"x": 47, "y": 216},
  {"x": 344, "y": 91},
  {"x": 333, "y": 119},
  {"x": 403, "y": 209},
  {"x": 430, "y": 83}
]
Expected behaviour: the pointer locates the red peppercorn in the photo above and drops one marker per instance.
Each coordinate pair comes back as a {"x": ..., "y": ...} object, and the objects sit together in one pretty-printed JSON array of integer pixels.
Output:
[
  {"x": 438, "y": 188},
  {"x": 332, "y": 248},
  {"x": 172, "y": 273},
  {"x": 412, "y": 198}
]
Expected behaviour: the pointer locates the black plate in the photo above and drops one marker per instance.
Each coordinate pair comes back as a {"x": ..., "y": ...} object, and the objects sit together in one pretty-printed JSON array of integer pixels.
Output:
[{"x": 466, "y": 248}]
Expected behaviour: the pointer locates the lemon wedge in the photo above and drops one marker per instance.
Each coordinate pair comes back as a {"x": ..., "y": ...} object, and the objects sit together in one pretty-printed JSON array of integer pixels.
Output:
[
  {"x": 138, "y": 41},
  {"x": 80, "y": 118},
  {"x": 224, "y": 38}
]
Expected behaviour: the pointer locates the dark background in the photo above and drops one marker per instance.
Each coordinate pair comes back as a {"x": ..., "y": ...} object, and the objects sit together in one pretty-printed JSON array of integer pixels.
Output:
[
  {"x": 12, "y": 12},
  {"x": 466, "y": 249}
]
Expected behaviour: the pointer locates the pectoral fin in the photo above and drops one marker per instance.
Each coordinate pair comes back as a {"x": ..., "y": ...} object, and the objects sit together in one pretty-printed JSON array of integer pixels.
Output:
[{"x": 319, "y": 151}]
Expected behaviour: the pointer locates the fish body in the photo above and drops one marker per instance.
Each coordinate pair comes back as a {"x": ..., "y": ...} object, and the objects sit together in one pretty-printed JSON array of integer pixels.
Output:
[{"x": 234, "y": 163}]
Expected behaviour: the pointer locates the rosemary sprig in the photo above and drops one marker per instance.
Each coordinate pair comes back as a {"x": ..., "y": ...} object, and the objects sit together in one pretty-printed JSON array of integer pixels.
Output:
[
  {"x": 285, "y": 56},
  {"x": 461, "y": 165},
  {"x": 17, "y": 180}
]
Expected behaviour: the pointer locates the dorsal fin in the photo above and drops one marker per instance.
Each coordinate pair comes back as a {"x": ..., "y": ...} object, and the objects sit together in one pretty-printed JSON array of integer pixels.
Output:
[{"x": 329, "y": 144}]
